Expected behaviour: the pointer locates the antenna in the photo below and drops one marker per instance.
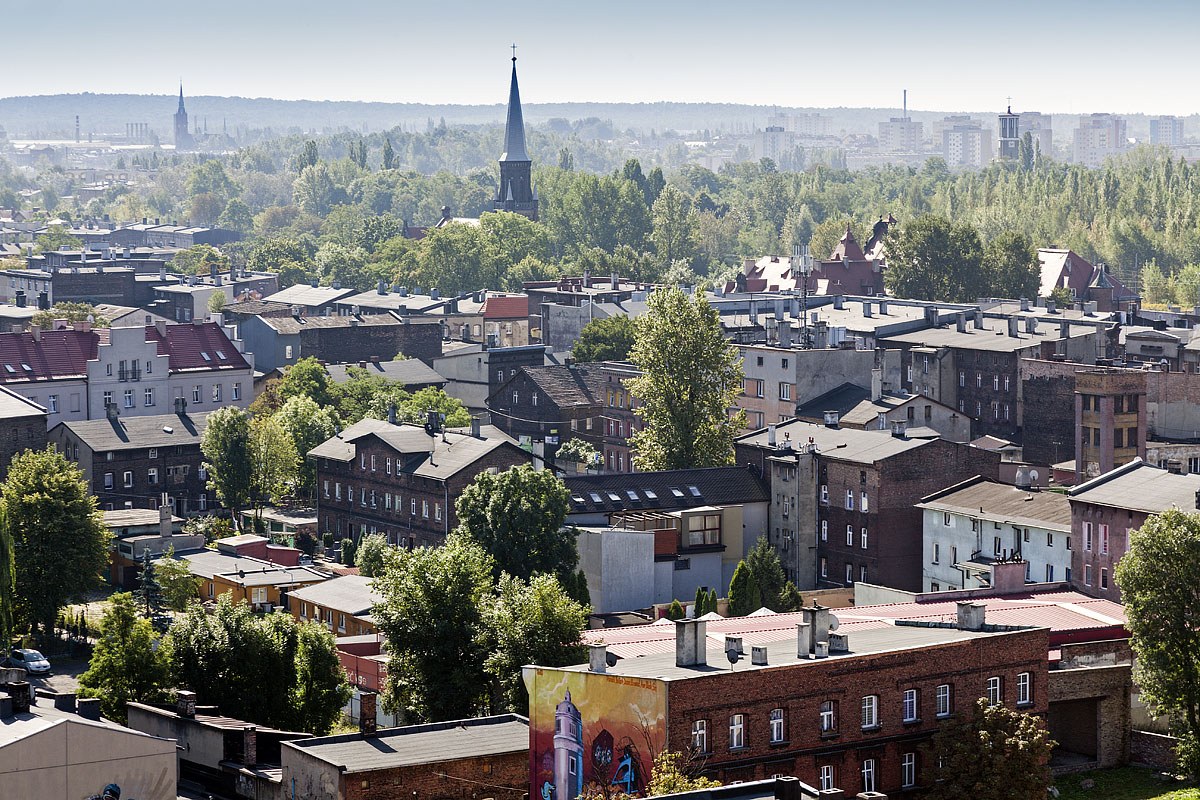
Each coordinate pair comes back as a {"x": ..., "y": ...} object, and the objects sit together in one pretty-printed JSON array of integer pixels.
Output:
[{"x": 904, "y": 114}]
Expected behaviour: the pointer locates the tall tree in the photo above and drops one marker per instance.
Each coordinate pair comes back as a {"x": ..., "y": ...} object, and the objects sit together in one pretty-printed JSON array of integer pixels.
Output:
[
  {"x": 179, "y": 585},
  {"x": 993, "y": 754},
  {"x": 149, "y": 591},
  {"x": 534, "y": 622},
  {"x": 321, "y": 689},
  {"x": 307, "y": 424},
  {"x": 8, "y": 577},
  {"x": 517, "y": 517},
  {"x": 226, "y": 449},
  {"x": 1010, "y": 262},
  {"x": 1157, "y": 581},
  {"x": 273, "y": 463},
  {"x": 127, "y": 663},
  {"x": 930, "y": 258},
  {"x": 671, "y": 774},
  {"x": 60, "y": 544},
  {"x": 389, "y": 154},
  {"x": 308, "y": 378},
  {"x": 690, "y": 378},
  {"x": 744, "y": 595},
  {"x": 764, "y": 564},
  {"x": 606, "y": 339},
  {"x": 675, "y": 230},
  {"x": 431, "y": 615},
  {"x": 372, "y": 555}
]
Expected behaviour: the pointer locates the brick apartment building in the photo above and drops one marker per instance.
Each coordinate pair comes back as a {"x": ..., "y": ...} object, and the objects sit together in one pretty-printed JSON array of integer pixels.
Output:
[
  {"x": 22, "y": 427},
  {"x": 401, "y": 481},
  {"x": 279, "y": 342},
  {"x": 843, "y": 500},
  {"x": 131, "y": 462},
  {"x": 845, "y": 709}
]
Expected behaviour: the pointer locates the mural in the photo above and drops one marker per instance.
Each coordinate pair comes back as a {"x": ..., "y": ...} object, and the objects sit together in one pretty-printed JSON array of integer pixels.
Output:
[{"x": 592, "y": 734}]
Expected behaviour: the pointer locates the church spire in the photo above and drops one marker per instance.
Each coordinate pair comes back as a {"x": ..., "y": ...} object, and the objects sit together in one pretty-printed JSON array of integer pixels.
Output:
[
  {"x": 514, "y": 127},
  {"x": 181, "y": 96}
]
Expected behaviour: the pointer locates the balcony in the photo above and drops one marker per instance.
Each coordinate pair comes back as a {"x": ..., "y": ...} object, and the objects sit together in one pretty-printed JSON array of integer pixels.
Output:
[{"x": 129, "y": 374}]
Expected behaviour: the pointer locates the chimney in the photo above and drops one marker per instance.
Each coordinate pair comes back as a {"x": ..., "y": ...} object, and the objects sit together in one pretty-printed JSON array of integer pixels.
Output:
[
  {"x": 831, "y": 419},
  {"x": 1013, "y": 324},
  {"x": 883, "y": 308},
  {"x": 1024, "y": 303},
  {"x": 164, "y": 518},
  {"x": 839, "y": 643},
  {"x": 36, "y": 332},
  {"x": 391, "y": 417},
  {"x": 250, "y": 745},
  {"x": 1050, "y": 306},
  {"x": 21, "y": 694},
  {"x": 971, "y": 615},
  {"x": 598, "y": 658},
  {"x": 1023, "y": 480},
  {"x": 867, "y": 309},
  {"x": 367, "y": 720},
  {"x": 180, "y": 406},
  {"x": 185, "y": 704},
  {"x": 475, "y": 425},
  {"x": 434, "y": 294},
  {"x": 112, "y": 412},
  {"x": 771, "y": 435},
  {"x": 733, "y": 644},
  {"x": 21, "y": 299},
  {"x": 758, "y": 655},
  {"x": 1031, "y": 325},
  {"x": 382, "y": 287},
  {"x": 931, "y": 316},
  {"x": 876, "y": 384},
  {"x": 838, "y": 301},
  {"x": 1064, "y": 330},
  {"x": 64, "y": 701},
  {"x": 978, "y": 319},
  {"x": 161, "y": 326},
  {"x": 404, "y": 291},
  {"x": 88, "y": 708},
  {"x": 804, "y": 640},
  {"x": 822, "y": 650},
  {"x": 691, "y": 643},
  {"x": 900, "y": 429},
  {"x": 960, "y": 321}
]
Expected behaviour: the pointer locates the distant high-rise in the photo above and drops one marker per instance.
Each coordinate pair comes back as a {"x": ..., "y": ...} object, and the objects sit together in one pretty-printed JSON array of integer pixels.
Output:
[
  {"x": 1166, "y": 130},
  {"x": 1040, "y": 129},
  {"x": 183, "y": 137},
  {"x": 1098, "y": 137},
  {"x": 516, "y": 192},
  {"x": 966, "y": 142},
  {"x": 901, "y": 134},
  {"x": 1010, "y": 135}
]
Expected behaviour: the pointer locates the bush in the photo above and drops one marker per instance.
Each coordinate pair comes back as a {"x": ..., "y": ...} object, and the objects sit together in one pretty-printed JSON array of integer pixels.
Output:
[{"x": 348, "y": 549}]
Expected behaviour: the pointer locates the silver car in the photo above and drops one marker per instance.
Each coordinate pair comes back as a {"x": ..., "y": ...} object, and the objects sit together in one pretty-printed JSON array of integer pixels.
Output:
[{"x": 31, "y": 661}]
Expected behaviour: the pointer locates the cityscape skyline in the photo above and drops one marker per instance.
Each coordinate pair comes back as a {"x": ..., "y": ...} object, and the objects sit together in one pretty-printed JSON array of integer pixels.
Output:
[{"x": 866, "y": 60}]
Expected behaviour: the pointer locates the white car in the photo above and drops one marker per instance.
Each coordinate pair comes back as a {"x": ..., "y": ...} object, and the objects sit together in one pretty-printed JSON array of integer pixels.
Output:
[{"x": 31, "y": 661}]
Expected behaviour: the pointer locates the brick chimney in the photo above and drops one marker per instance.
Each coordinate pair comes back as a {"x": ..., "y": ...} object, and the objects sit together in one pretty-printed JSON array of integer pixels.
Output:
[
  {"x": 185, "y": 704},
  {"x": 367, "y": 720},
  {"x": 249, "y": 746}
]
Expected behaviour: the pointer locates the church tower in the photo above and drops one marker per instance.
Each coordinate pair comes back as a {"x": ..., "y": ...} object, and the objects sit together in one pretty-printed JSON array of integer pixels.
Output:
[
  {"x": 1010, "y": 135},
  {"x": 183, "y": 137},
  {"x": 516, "y": 193}
]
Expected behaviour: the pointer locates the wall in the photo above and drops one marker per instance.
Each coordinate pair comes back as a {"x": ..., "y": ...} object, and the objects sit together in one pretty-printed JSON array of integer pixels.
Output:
[
  {"x": 18, "y": 435},
  {"x": 1153, "y": 749},
  {"x": 204, "y": 745},
  {"x": 1108, "y": 689},
  {"x": 620, "y": 569}
]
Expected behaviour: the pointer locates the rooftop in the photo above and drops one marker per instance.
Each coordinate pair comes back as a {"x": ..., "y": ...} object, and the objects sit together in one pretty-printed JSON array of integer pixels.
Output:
[
  {"x": 14, "y": 406},
  {"x": 1138, "y": 486},
  {"x": 992, "y": 337},
  {"x": 210, "y": 563},
  {"x": 136, "y": 433},
  {"x": 352, "y": 594},
  {"x": 666, "y": 490},
  {"x": 294, "y": 325},
  {"x": 420, "y": 744},
  {"x": 843, "y": 444},
  {"x": 979, "y": 497},
  {"x": 410, "y": 371},
  {"x": 131, "y": 517},
  {"x": 302, "y": 294}
]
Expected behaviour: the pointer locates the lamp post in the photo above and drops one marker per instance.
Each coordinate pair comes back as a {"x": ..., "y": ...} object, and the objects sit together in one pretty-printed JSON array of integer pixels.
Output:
[{"x": 802, "y": 263}]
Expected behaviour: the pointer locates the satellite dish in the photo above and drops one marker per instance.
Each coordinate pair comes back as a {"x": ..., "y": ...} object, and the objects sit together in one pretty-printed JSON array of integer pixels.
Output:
[
  {"x": 833, "y": 622},
  {"x": 733, "y": 655},
  {"x": 1033, "y": 475}
]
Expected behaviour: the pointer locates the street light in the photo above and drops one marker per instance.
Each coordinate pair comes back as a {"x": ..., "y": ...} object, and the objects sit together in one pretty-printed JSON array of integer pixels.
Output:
[{"x": 803, "y": 264}]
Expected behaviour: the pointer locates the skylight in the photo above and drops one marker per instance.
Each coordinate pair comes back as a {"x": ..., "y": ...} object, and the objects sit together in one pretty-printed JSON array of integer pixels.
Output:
[
  {"x": 650, "y": 494},
  {"x": 596, "y": 498},
  {"x": 26, "y": 367},
  {"x": 695, "y": 490},
  {"x": 576, "y": 498},
  {"x": 632, "y": 494},
  {"x": 9, "y": 367},
  {"x": 675, "y": 490},
  {"x": 205, "y": 356},
  {"x": 616, "y": 498},
  {"x": 220, "y": 355}
]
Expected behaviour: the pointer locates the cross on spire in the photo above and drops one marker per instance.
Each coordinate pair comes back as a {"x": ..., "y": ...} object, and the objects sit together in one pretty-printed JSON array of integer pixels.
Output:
[{"x": 514, "y": 49}]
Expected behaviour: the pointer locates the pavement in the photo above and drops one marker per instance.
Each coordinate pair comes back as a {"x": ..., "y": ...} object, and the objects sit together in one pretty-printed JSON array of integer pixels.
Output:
[{"x": 63, "y": 677}]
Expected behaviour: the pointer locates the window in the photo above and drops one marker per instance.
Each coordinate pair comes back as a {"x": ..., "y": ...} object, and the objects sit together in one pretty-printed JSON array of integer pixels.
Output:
[
  {"x": 1006, "y": 379},
  {"x": 108, "y": 370},
  {"x": 516, "y": 398},
  {"x": 148, "y": 397},
  {"x": 776, "y": 725},
  {"x": 1104, "y": 577},
  {"x": 437, "y": 511},
  {"x": 1024, "y": 689},
  {"x": 216, "y": 393},
  {"x": 849, "y": 574},
  {"x": 153, "y": 453},
  {"x": 863, "y": 498},
  {"x": 287, "y": 352},
  {"x": 826, "y": 777},
  {"x": 373, "y": 462},
  {"x": 995, "y": 383},
  {"x": 849, "y": 499},
  {"x": 908, "y": 770},
  {"x": 941, "y": 698},
  {"x": 152, "y": 476},
  {"x": 863, "y": 538},
  {"x": 1049, "y": 539},
  {"x": 824, "y": 530},
  {"x": 937, "y": 553},
  {"x": 760, "y": 388},
  {"x": 870, "y": 711},
  {"x": 828, "y": 717},
  {"x": 149, "y": 367},
  {"x": 107, "y": 399},
  {"x": 1104, "y": 540},
  {"x": 868, "y": 775},
  {"x": 412, "y": 507},
  {"x": 700, "y": 736},
  {"x": 1087, "y": 537},
  {"x": 1087, "y": 574},
  {"x": 535, "y": 397},
  {"x": 425, "y": 509},
  {"x": 825, "y": 494},
  {"x": 1049, "y": 573},
  {"x": 997, "y": 545},
  {"x": 862, "y": 574},
  {"x": 849, "y": 536},
  {"x": 128, "y": 480},
  {"x": 824, "y": 568},
  {"x": 909, "y": 705},
  {"x": 108, "y": 480},
  {"x": 128, "y": 397},
  {"x": 197, "y": 394},
  {"x": 785, "y": 391},
  {"x": 994, "y": 690},
  {"x": 52, "y": 404},
  {"x": 946, "y": 521},
  {"x": 235, "y": 391},
  {"x": 962, "y": 378},
  {"x": 737, "y": 731}
]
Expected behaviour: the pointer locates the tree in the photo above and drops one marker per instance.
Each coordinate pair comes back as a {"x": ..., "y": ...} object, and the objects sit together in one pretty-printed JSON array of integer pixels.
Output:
[
  {"x": 414, "y": 407},
  {"x": 675, "y": 611},
  {"x": 930, "y": 258},
  {"x": 764, "y": 564},
  {"x": 236, "y": 217},
  {"x": 790, "y": 598},
  {"x": 372, "y": 555},
  {"x": 57, "y": 238},
  {"x": 8, "y": 599},
  {"x": 200, "y": 259},
  {"x": 308, "y": 378},
  {"x": 675, "y": 229},
  {"x": 1061, "y": 296},
  {"x": 149, "y": 592},
  {"x": 127, "y": 665},
  {"x": 690, "y": 378},
  {"x": 321, "y": 689},
  {"x": 1010, "y": 262},
  {"x": 578, "y": 451},
  {"x": 517, "y": 517},
  {"x": 670, "y": 775},
  {"x": 346, "y": 552},
  {"x": 993, "y": 754},
  {"x": 605, "y": 339},
  {"x": 217, "y": 301},
  {"x": 71, "y": 312},
  {"x": 179, "y": 585},
  {"x": 744, "y": 596},
  {"x": 273, "y": 463},
  {"x": 1155, "y": 286},
  {"x": 430, "y": 614},
  {"x": 389, "y": 154},
  {"x": 1157, "y": 580},
  {"x": 307, "y": 157},
  {"x": 701, "y": 604},
  {"x": 533, "y": 622},
  {"x": 60, "y": 544},
  {"x": 307, "y": 424},
  {"x": 226, "y": 449}
]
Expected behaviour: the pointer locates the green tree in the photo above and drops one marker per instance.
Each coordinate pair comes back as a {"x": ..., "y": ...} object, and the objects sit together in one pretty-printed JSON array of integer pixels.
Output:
[
  {"x": 71, "y": 312},
  {"x": 389, "y": 154},
  {"x": 672, "y": 775},
  {"x": 701, "y": 604},
  {"x": 932, "y": 259},
  {"x": 200, "y": 259},
  {"x": 209, "y": 178},
  {"x": 321, "y": 689},
  {"x": 534, "y": 622},
  {"x": 236, "y": 217},
  {"x": 790, "y": 598},
  {"x": 764, "y": 564},
  {"x": 744, "y": 596},
  {"x": 1010, "y": 262},
  {"x": 307, "y": 424},
  {"x": 227, "y": 457},
  {"x": 307, "y": 157},
  {"x": 149, "y": 591},
  {"x": 273, "y": 462},
  {"x": 307, "y": 378},
  {"x": 1157, "y": 580},
  {"x": 8, "y": 598},
  {"x": 217, "y": 301},
  {"x": 995, "y": 753},
  {"x": 272, "y": 255},
  {"x": 127, "y": 664},
  {"x": 57, "y": 238},
  {"x": 346, "y": 552},
  {"x": 690, "y": 378},
  {"x": 1155, "y": 287},
  {"x": 430, "y": 615},
  {"x": 414, "y": 407},
  {"x": 372, "y": 556},
  {"x": 675, "y": 232},
  {"x": 675, "y": 611},
  {"x": 517, "y": 517},
  {"x": 578, "y": 451},
  {"x": 179, "y": 585},
  {"x": 60, "y": 544},
  {"x": 1061, "y": 296},
  {"x": 605, "y": 339}
]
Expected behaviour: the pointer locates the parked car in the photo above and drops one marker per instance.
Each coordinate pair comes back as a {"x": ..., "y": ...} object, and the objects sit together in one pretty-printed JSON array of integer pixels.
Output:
[{"x": 31, "y": 661}]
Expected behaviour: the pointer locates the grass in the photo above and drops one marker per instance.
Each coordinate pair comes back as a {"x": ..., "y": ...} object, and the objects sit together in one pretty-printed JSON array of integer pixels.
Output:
[{"x": 1126, "y": 783}]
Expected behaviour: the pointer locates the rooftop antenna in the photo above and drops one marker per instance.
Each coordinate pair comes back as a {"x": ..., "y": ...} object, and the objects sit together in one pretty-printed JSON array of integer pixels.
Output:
[{"x": 904, "y": 114}]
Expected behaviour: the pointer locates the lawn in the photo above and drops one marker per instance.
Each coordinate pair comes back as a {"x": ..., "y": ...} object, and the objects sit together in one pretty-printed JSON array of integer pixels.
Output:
[{"x": 1127, "y": 783}]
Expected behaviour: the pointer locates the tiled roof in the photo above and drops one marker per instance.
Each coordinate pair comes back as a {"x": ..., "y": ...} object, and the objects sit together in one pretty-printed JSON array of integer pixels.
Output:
[
  {"x": 294, "y": 325},
  {"x": 197, "y": 347},
  {"x": 841, "y": 399},
  {"x": 506, "y": 307},
  {"x": 136, "y": 433},
  {"x": 842, "y": 444},
  {"x": 566, "y": 387},
  {"x": 59, "y": 354},
  {"x": 666, "y": 490}
]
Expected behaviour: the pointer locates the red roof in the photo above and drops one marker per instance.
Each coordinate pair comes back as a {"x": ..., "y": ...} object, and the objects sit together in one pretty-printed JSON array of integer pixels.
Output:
[
  {"x": 506, "y": 307},
  {"x": 197, "y": 347},
  {"x": 59, "y": 354},
  {"x": 847, "y": 247}
]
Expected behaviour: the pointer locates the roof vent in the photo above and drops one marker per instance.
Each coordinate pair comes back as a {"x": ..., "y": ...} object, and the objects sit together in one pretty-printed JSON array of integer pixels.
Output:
[{"x": 758, "y": 655}]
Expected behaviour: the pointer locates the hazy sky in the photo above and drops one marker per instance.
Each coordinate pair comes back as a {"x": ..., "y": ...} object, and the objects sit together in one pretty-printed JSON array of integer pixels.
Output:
[{"x": 1067, "y": 56}]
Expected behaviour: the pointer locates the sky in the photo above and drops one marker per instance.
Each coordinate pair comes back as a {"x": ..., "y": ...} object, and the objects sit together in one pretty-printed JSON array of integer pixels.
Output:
[{"x": 1066, "y": 56}]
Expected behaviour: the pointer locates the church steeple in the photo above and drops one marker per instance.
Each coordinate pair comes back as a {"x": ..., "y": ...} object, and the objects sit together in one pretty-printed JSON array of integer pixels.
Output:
[
  {"x": 181, "y": 108},
  {"x": 183, "y": 137},
  {"x": 515, "y": 192}
]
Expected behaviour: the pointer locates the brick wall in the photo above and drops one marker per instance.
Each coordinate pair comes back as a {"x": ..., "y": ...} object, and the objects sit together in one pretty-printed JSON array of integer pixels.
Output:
[
  {"x": 1152, "y": 749},
  {"x": 1048, "y": 412},
  {"x": 1089, "y": 712},
  {"x": 504, "y": 777},
  {"x": 349, "y": 345},
  {"x": 19, "y": 435}
]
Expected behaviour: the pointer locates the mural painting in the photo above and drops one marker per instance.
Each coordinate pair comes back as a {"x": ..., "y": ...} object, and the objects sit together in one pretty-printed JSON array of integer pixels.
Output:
[{"x": 590, "y": 734}]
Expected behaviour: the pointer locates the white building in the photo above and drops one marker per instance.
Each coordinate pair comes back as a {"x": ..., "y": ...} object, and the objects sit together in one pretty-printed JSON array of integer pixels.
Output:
[
  {"x": 901, "y": 135},
  {"x": 975, "y": 524},
  {"x": 1167, "y": 130},
  {"x": 966, "y": 143},
  {"x": 1098, "y": 137}
]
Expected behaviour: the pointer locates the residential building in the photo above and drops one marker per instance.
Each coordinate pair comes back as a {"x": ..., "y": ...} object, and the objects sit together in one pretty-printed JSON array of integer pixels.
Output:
[
  {"x": 1087, "y": 282},
  {"x": 132, "y": 462},
  {"x": 344, "y": 604},
  {"x": 778, "y": 379},
  {"x": 22, "y": 427},
  {"x": 966, "y": 143},
  {"x": 43, "y": 288},
  {"x": 474, "y": 371},
  {"x": 1106, "y": 508},
  {"x": 1098, "y": 137},
  {"x": 850, "y": 269},
  {"x": 188, "y": 299},
  {"x": 567, "y": 305},
  {"x": 412, "y": 373},
  {"x": 278, "y": 342},
  {"x": 156, "y": 233},
  {"x": 315, "y": 301},
  {"x": 137, "y": 531},
  {"x": 516, "y": 193},
  {"x": 807, "y": 125},
  {"x": 1166, "y": 130},
  {"x": 495, "y": 318},
  {"x": 846, "y": 709},
  {"x": 262, "y": 583},
  {"x": 873, "y": 409},
  {"x": 1110, "y": 420},
  {"x": 843, "y": 500},
  {"x": 901, "y": 135},
  {"x": 776, "y": 143},
  {"x": 653, "y": 537},
  {"x": 403, "y": 480},
  {"x": 973, "y": 525}
]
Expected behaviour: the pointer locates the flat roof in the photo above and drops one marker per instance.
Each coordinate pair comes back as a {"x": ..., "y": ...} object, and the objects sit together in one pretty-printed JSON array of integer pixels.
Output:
[
  {"x": 992, "y": 337},
  {"x": 997, "y": 501},
  {"x": 843, "y": 444}
]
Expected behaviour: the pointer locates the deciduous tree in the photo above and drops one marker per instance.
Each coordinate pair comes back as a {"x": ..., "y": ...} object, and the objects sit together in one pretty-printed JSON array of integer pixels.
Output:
[
  {"x": 127, "y": 663},
  {"x": 372, "y": 555},
  {"x": 307, "y": 424},
  {"x": 605, "y": 339},
  {"x": 226, "y": 448},
  {"x": 930, "y": 258},
  {"x": 178, "y": 583}
]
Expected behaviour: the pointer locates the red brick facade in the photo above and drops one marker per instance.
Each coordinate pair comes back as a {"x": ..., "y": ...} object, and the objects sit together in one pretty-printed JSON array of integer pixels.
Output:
[{"x": 462, "y": 779}]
